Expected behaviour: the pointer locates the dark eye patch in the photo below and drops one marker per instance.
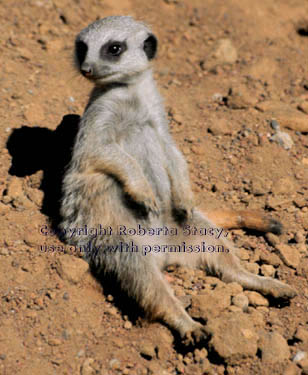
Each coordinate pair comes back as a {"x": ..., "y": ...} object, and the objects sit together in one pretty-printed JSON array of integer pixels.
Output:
[
  {"x": 150, "y": 46},
  {"x": 81, "y": 50},
  {"x": 112, "y": 50}
]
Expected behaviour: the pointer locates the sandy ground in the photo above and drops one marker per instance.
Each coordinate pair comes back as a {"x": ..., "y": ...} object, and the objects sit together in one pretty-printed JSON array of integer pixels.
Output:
[{"x": 230, "y": 72}]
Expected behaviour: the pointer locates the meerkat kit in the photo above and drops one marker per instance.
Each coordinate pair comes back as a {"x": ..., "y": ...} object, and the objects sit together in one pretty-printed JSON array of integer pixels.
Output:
[{"x": 127, "y": 171}]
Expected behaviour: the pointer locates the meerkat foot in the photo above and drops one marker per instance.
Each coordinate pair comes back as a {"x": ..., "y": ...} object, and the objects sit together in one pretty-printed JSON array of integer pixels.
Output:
[
  {"x": 278, "y": 289},
  {"x": 197, "y": 334}
]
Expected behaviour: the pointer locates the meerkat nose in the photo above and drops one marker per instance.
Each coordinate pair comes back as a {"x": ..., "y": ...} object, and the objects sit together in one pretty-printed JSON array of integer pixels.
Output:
[{"x": 86, "y": 70}]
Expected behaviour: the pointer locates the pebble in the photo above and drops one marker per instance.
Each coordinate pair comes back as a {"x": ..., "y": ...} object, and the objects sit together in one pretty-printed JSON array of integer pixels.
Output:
[
  {"x": 302, "y": 334},
  {"x": 274, "y": 348},
  {"x": 272, "y": 239},
  {"x": 220, "y": 126},
  {"x": 300, "y": 237},
  {"x": 240, "y": 98},
  {"x": 283, "y": 139},
  {"x": 289, "y": 255},
  {"x": 114, "y": 364},
  {"x": 148, "y": 350},
  {"x": 256, "y": 299},
  {"x": 81, "y": 353},
  {"x": 275, "y": 125},
  {"x": 252, "y": 267},
  {"x": 268, "y": 270},
  {"x": 241, "y": 300},
  {"x": 233, "y": 336},
  {"x": 300, "y": 355},
  {"x": 224, "y": 51},
  {"x": 86, "y": 368},
  {"x": 127, "y": 325},
  {"x": 66, "y": 296},
  {"x": 71, "y": 268}
]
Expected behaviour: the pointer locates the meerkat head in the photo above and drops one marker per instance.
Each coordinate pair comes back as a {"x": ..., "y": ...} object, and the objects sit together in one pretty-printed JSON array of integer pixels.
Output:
[{"x": 114, "y": 49}]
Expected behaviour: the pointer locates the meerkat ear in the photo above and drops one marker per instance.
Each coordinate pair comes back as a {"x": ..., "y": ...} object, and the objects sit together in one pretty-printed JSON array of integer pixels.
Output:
[{"x": 150, "y": 46}]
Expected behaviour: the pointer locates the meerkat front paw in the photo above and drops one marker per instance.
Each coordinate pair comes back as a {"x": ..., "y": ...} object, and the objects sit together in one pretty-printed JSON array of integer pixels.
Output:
[
  {"x": 183, "y": 210},
  {"x": 146, "y": 202},
  {"x": 151, "y": 205}
]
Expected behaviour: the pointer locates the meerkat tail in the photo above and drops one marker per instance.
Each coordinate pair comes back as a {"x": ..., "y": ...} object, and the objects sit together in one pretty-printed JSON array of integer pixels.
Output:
[{"x": 250, "y": 219}]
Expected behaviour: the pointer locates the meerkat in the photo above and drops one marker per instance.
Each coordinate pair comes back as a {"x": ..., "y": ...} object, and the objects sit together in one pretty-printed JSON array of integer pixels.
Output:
[{"x": 126, "y": 171}]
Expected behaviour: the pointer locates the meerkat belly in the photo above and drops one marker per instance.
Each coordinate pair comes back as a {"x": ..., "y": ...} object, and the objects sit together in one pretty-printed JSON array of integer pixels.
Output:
[{"x": 150, "y": 155}]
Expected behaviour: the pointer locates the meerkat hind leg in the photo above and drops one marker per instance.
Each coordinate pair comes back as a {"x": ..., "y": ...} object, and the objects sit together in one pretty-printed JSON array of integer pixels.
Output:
[
  {"x": 226, "y": 265},
  {"x": 157, "y": 299}
]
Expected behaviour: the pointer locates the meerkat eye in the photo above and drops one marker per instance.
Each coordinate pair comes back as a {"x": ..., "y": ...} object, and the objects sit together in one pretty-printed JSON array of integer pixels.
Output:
[{"x": 115, "y": 49}]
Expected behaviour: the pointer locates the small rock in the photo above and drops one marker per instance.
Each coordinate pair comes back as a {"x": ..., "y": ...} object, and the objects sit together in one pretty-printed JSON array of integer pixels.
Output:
[
  {"x": 114, "y": 364},
  {"x": 15, "y": 194},
  {"x": 240, "y": 98},
  {"x": 232, "y": 288},
  {"x": 81, "y": 353},
  {"x": 219, "y": 127},
  {"x": 36, "y": 196},
  {"x": 299, "y": 356},
  {"x": 302, "y": 334},
  {"x": 71, "y": 268},
  {"x": 4, "y": 251},
  {"x": 197, "y": 149},
  {"x": 268, "y": 270},
  {"x": 275, "y": 125},
  {"x": 233, "y": 336},
  {"x": 274, "y": 348},
  {"x": 256, "y": 299},
  {"x": 148, "y": 350},
  {"x": 32, "y": 239},
  {"x": 272, "y": 239},
  {"x": 209, "y": 303},
  {"x": 200, "y": 354},
  {"x": 240, "y": 300},
  {"x": 283, "y": 139},
  {"x": 291, "y": 369},
  {"x": 289, "y": 255},
  {"x": 35, "y": 114},
  {"x": 154, "y": 368},
  {"x": 260, "y": 186},
  {"x": 127, "y": 325},
  {"x": 25, "y": 53},
  {"x": 304, "y": 366},
  {"x": 54, "y": 342},
  {"x": 224, "y": 52},
  {"x": 66, "y": 296},
  {"x": 164, "y": 342},
  {"x": 252, "y": 267},
  {"x": 262, "y": 70},
  {"x": 35, "y": 179},
  {"x": 300, "y": 237},
  {"x": 303, "y": 107}
]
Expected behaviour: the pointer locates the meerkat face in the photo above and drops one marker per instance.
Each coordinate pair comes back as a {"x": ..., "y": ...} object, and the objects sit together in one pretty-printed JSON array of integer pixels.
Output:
[{"x": 114, "y": 49}]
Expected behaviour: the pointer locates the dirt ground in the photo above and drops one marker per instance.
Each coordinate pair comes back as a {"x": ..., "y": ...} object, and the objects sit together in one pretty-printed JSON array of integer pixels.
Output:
[{"x": 234, "y": 76}]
